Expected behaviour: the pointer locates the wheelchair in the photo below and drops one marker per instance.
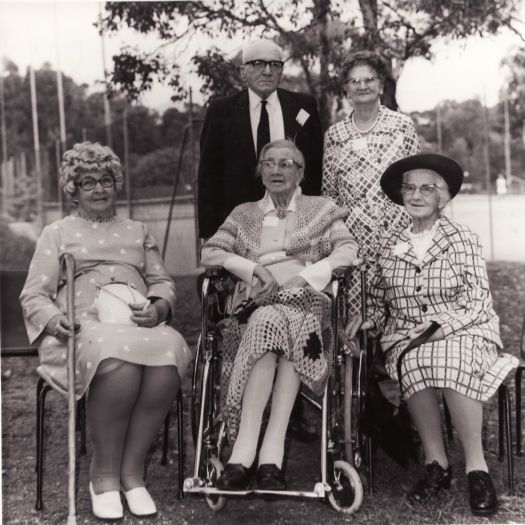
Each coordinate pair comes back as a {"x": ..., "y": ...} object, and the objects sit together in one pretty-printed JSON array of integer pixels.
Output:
[{"x": 345, "y": 448}]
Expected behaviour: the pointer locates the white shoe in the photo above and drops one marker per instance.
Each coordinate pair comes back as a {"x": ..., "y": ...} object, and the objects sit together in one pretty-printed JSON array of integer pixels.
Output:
[
  {"x": 107, "y": 505},
  {"x": 140, "y": 502}
]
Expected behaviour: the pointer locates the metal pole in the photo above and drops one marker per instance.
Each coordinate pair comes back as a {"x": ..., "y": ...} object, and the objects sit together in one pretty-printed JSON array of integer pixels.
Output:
[
  {"x": 60, "y": 197},
  {"x": 438, "y": 126},
  {"x": 2, "y": 120},
  {"x": 107, "y": 108},
  {"x": 194, "y": 178},
  {"x": 126, "y": 160},
  {"x": 508, "y": 167},
  {"x": 36, "y": 143},
  {"x": 486, "y": 155},
  {"x": 3, "y": 131}
]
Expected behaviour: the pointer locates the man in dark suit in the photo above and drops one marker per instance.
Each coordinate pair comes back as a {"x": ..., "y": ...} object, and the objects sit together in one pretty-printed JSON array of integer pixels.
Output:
[{"x": 236, "y": 127}]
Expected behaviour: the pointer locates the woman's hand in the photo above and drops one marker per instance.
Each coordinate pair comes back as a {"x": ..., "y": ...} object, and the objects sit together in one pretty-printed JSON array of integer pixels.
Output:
[
  {"x": 58, "y": 326},
  {"x": 356, "y": 323},
  {"x": 294, "y": 282},
  {"x": 418, "y": 330},
  {"x": 150, "y": 315},
  {"x": 268, "y": 282}
]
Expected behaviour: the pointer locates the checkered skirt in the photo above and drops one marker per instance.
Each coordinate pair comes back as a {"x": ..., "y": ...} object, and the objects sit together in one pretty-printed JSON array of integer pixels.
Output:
[{"x": 470, "y": 365}]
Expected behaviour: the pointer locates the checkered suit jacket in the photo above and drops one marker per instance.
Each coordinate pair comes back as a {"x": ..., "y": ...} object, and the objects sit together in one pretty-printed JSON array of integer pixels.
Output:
[{"x": 450, "y": 286}]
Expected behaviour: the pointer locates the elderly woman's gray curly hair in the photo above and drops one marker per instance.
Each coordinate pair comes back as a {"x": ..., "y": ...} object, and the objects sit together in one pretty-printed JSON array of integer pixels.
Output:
[{"x": 88, "y": 157}]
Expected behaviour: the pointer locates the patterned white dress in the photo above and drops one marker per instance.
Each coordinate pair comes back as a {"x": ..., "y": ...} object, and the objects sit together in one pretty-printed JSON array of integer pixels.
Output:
[
  {"x": 448, "y": 286},
  {"x": 121, "y": 250},
  {"x": 353, "y": 163}
]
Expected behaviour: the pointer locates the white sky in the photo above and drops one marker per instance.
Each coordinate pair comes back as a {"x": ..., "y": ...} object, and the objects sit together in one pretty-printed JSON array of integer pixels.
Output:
[{"x": 31, "y": 32}]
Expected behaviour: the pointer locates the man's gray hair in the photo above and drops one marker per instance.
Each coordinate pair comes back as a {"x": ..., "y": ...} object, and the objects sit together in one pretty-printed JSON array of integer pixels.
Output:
[{"x": 260, "y": 42}]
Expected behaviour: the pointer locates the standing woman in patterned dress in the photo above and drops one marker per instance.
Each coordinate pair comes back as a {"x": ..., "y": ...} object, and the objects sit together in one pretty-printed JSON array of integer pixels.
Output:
[
  {"x": 357, "y": 151},
  {"x": 130, "y": 367}
]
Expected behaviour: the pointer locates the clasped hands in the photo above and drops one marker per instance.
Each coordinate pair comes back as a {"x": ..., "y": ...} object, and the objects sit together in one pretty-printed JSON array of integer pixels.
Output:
[
  {"x": 146, "y": 315},
  {"x": 270, "y": 285}
]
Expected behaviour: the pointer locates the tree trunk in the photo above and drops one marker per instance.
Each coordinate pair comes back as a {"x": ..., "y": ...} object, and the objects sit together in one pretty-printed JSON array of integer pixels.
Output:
[{"x": 322, "y": 8}]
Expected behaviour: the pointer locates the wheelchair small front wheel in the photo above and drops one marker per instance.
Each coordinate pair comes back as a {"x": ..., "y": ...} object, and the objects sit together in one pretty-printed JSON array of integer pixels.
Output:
[
  {"x": 214, "y": 469},
  {"x": 347, "y": 489}
]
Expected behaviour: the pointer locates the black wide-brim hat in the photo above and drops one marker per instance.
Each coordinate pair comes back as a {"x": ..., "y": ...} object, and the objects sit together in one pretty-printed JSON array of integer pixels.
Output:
[{"x": 448, "y": 168}]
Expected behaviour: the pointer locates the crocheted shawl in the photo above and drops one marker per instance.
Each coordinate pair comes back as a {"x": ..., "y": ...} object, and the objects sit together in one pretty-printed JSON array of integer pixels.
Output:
[{"x": 316, "y": 230}]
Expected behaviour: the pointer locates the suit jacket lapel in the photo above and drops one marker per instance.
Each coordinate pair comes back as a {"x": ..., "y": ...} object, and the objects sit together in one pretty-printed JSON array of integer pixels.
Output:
[
  {"x": 243, "y": 124},
  {"x": 402, "y": 249},
  {"x": 289, "y": 109},
  {"x": 440, "y": 242}
]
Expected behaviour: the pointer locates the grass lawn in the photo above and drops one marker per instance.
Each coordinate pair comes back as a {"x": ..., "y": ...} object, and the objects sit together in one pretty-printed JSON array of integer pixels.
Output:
[{"x": 386, "y": 506}]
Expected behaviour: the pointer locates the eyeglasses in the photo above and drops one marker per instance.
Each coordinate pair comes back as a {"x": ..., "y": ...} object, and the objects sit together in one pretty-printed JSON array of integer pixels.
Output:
[
  {"x": 368, "y": 81},
  {"x": 425, "y": 189},
  {"x": 89, "y": 183},
  {"x": 287, "y": 164},
  {"x": 260, "y": 65}
]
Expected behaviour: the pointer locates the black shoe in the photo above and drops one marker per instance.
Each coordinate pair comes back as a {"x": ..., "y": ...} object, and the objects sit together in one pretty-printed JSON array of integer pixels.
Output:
[
  {"x": 435, "y": 479},
  {"x": 301, "y": 430},
  {"x": 270, "y": 477},
  {"x": 234, "y": 477},
  {"x": 483, "y": 500}
]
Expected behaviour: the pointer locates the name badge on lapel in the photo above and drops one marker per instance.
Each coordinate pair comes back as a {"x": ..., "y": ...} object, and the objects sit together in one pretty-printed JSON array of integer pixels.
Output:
[
  {"x": 302, "y": 117},
  {"x": 401, "y": 248},
  {"x": 359, "y": 144}
]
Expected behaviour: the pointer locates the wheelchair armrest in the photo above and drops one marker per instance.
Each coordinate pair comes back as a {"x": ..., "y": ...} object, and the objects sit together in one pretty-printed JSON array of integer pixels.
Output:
[{"x": 214, "y": 272}]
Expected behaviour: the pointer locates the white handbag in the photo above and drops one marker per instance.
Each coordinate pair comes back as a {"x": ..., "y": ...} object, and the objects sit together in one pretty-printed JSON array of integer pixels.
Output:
[{"x": 113, "y": 300}]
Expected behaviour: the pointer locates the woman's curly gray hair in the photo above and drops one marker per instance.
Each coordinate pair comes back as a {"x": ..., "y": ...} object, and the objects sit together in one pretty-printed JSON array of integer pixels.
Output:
[
  {"x": 365, "y": 58},
  {"x": 87, "y": 157}
]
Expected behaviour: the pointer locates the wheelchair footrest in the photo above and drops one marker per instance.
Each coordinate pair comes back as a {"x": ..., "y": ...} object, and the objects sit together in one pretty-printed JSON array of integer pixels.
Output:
[{"x": 198, "y": 486}]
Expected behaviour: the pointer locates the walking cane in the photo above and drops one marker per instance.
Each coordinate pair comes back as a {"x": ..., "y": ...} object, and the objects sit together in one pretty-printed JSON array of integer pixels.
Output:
[{"x": 68, "y": 267}]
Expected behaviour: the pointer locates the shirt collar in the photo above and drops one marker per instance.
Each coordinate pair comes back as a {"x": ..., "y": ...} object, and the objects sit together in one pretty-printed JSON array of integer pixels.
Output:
[
  {"x": 266, "y": 203},
  {"x": 255, "y": 99}
]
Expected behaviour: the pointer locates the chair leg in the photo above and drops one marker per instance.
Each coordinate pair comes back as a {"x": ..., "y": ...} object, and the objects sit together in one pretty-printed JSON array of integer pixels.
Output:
[
  {"x": 370, "y": 465},
  {"x": 180, "y": 444},
  {"x": 501, "y": 420},
  {"x": 165, "y": 439},
  {"x": 42, "y": 390},
  {"x": 503, "y": 394},
  {"x": 448, "y": 421},
  {"x": 518, "y": 378},
  {"x": 81, "y": 424}
]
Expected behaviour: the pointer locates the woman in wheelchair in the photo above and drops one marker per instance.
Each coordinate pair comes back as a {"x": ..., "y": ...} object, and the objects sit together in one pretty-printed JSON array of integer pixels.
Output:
[
  {"x": 127, "y": 356},
  {"x": 432, "y": 293},
  {"x": 283, "y": 248}
]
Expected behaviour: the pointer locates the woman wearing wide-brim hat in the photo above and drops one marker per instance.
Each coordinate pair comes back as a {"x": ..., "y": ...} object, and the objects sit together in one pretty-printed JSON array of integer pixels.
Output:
[{"x": 433, "y": 274}]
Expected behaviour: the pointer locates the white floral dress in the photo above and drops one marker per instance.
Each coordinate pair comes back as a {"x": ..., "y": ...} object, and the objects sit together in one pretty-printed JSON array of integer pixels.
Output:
[{"x": 121, "y": 250}]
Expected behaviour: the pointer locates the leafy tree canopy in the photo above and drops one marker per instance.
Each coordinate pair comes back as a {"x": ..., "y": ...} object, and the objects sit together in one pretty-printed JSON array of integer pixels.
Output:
[{"x": 317, "y": 35}]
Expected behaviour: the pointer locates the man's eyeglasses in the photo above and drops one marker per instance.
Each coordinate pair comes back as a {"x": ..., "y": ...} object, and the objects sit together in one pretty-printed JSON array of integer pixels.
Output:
[
  {"x": 89, "y": 183},
  {"x": 260, "y": 65},
  {"x": 287, "y": 164},
  {"x": 368, "y": 81},
  {"x": 425, "y": 189}
]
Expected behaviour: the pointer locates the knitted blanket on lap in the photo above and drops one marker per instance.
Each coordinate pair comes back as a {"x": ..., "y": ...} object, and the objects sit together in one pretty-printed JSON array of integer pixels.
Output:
[{"x": 294, "y": 324}]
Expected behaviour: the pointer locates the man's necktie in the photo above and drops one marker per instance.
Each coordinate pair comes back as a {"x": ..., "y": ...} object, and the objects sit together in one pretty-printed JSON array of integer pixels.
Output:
[{"x": 263, "y": 129}]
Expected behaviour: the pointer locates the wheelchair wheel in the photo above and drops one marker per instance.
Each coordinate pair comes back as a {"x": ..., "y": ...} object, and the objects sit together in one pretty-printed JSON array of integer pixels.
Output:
[
  {"x": 347, "y": 490},
  {"x": 214, "y": 469}
]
